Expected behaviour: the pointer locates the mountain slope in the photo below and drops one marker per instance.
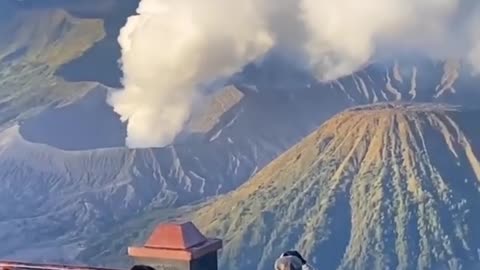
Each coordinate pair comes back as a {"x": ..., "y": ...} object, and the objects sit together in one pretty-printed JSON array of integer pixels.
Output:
[
  {"x": 399, "y": 79},
  {"x": 269, "y": 109},
  {"x": 34, "y": 44},
  {"x": 51, "y": 37},
  {"x": 62, "y": 148},
  {"x": 58, "y": 156},
  {"x": 375, "y": 187},
  {"x": 131, "y": 181}
]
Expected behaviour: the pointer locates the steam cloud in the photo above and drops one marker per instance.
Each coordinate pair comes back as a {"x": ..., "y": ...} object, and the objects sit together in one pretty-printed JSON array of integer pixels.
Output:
[
  {"x": 170, "y": 49},
  {"x": 173, "y": 47}
]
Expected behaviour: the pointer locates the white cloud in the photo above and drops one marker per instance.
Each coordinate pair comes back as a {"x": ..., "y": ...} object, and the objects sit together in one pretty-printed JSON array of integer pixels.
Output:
[{"x": 173, "y": 46}]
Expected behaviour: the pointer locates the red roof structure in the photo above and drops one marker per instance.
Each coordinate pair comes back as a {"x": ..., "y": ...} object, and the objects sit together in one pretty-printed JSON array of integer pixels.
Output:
[
  {"x": 176, "y": 236},
  {"x": 172, "y": 241}
]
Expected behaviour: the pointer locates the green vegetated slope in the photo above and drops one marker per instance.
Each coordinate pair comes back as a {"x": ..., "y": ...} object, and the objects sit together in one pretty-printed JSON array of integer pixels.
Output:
[
  {"x": 374, "y": 188},
  {"x": 34, "y": 44},
  {"x": 386, "y": 186}
]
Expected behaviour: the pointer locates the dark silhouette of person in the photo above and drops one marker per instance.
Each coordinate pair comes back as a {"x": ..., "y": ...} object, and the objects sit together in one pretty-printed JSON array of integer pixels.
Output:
[
  {"x": 142, "y": 267},
  {"x": 299, "y": 257}
]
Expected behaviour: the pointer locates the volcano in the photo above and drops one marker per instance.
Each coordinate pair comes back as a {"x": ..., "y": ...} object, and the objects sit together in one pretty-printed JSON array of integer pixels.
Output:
[
  {"x": 65, "y": 169},
  {"x": 386, "y": 186}
]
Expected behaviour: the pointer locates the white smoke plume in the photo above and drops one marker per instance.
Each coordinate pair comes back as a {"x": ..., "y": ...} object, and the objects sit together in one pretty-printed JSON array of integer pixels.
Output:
[
  {"x": 171, "y": 48},
  {"x": 174, "y": 46},
  {"x": 345, "y": 34}
]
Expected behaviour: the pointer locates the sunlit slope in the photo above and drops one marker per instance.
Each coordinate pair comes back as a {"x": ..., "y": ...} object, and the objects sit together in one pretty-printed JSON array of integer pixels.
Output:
[
  {"x": 50, "y": 36},
  {"x": 34, "y": 44},
  {"x": 374, "y": 188}
]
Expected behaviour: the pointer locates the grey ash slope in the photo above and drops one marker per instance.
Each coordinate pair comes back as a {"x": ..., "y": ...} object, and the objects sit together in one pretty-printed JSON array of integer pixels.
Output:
[
  {"x": 54, "y": 197},
  {"x": 90, "y": 185},
  {"x": 90, "y": 123},
  {"x": 94, "y": 183},
  {"x": 382, "y": 187}
]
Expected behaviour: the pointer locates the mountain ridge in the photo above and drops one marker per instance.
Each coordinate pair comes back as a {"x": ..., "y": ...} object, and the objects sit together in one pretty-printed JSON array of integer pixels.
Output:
[
  {"x": 340, "y": 204},
  {"x": 272, "y": 106},
  {"x": 336, "y": 228}
]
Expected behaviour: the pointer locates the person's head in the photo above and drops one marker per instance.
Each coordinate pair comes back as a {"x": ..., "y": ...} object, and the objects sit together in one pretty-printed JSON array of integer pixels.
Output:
[
  {"x": 295, "y": 254},
  {"x": 142, "y": 267},
  {"x": 288, "y": 263}
]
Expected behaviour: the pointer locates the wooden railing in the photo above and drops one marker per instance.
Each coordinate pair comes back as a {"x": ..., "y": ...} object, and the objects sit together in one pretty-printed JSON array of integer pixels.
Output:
[{"x": 11, "y": 265}]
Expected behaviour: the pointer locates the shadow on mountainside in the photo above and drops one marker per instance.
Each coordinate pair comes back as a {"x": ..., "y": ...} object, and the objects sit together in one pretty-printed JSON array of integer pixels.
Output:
[
  {"x": 87, "y": 124},
  {"x": 100, "y": 63}
]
